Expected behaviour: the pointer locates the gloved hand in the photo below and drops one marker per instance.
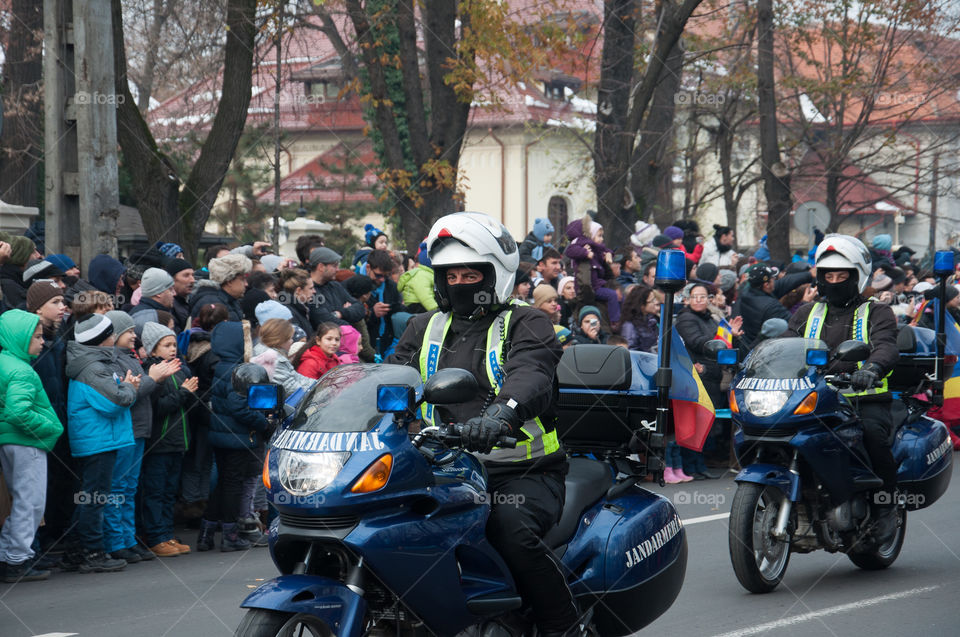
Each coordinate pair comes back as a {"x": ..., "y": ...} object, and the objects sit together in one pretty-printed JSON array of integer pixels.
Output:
[
  {"x": 481, "y": 434},
  {"x": 865, "y": 377}
]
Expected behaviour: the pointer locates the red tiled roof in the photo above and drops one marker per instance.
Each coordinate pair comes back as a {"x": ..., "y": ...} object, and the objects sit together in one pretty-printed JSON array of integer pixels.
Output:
[
  {"x": 858, "y": 193},
  {"x": 314, "y": 181}
]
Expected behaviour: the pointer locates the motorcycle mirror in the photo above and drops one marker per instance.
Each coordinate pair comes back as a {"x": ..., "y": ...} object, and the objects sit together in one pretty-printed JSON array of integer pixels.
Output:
[
  {"x": 712, "y": 348},
  {"x": 817, "y": 357},
  {"x": 728, "y": 357},
  {"x": 852, "y": 351},
  {"x": 450, "y": 386},
  {"x": 264, "y": 396},
  {"x": 395, "y": 399}
]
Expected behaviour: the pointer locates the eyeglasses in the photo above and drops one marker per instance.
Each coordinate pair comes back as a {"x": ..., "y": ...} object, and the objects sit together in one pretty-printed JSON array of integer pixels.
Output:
[{"x": 377, "y": 276}]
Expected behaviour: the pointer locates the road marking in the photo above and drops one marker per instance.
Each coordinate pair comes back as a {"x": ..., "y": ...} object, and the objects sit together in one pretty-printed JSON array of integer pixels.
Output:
[
  {"x": 56, "y": 634},
  {"x": 706, "y": 518},
  {"x": 833, "y": 610}
]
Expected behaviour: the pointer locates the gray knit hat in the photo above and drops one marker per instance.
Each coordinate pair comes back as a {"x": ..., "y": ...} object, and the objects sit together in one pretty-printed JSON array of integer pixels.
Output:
[
  {"x": 153, "y": 333},
  {"x": 121, "y": 321},
  {"x": 154, "y": 281},
  {"x": 93, "y": 330}
]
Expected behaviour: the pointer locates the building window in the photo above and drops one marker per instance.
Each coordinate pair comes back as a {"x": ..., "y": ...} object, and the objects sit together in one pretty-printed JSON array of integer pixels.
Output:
[{"x": 557, "y": 214}]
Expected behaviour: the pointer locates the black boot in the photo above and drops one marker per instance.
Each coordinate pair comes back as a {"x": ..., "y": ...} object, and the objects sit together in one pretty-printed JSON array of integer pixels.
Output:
[
  {"x": 23, "y": 572},
  {"x": 100, "y": 562},
  {"x": 231, "y": 540},
  {"x": 207, "y": 538}
]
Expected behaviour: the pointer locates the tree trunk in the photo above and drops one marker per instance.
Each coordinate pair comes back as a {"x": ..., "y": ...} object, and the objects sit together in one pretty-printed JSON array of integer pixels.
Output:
[
  {"x": 832, "y": 202},
  {"x": 776, "y": 183},
  {"x": 653, "y": 158},
  {"x": 22, "y": 136},
  {"x": 169, "y": 213}
]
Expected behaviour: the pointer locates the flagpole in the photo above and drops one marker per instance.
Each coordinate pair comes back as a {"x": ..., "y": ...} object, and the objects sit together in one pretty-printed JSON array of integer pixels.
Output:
[{"x": 671, "y": 276}]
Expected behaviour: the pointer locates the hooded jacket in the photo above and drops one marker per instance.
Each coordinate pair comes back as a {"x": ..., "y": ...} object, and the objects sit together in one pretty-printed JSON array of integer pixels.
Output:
[
  {"x": 284, "y": 374},
  {"x": 416, "y": 286},
  {"x": 11, "y": 284},
  {"x": 756, "y": 306},
  {"x": 171, "y": 405},
  {"x": 141, "y": 414},
  {"x": 26, "y": 416},
  {"x": 206, "y": 291},
  {"x": 314, "y": 363},
  {"x": 233, "y": 425},
  {"x": 528, "y": 249},
  {"x": 50, "y": 365},
  {"x": 98, "y": 403},
  {"x": 577, "y": 251},
  {"x": 104, "y": 273}
]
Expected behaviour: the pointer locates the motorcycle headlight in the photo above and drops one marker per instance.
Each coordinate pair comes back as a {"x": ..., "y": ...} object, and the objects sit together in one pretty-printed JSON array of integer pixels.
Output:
[
  {"x": 764, "y": 403},
  {"x": 304, "y": 473}
]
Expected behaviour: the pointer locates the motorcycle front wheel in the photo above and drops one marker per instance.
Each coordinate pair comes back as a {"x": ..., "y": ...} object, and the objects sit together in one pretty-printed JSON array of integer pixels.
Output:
[
  {"x": 270, "y": 623},
  {"x": 759, "y": 560}
]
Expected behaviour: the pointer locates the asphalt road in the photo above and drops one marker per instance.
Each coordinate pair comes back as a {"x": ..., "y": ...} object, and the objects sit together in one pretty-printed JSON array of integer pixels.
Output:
[{"x": 822, "y": 594}]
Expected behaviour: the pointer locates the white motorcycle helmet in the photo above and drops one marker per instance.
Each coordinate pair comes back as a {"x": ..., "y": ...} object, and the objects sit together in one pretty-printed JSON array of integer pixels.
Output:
[
  {"x": 473, "y": 239},
  {"x": 843, "y": 252}
]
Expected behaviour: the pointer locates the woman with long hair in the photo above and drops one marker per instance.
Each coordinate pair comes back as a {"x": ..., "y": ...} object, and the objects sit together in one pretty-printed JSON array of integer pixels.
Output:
[{"x": 640, "y": 319}]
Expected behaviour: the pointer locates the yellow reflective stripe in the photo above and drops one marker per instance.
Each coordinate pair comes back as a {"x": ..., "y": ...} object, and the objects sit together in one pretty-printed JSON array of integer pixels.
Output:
[
  {"x": 861, "y": 332},
  {"x": 815, "y": 320},
  {"x": 433, "y": 338}
]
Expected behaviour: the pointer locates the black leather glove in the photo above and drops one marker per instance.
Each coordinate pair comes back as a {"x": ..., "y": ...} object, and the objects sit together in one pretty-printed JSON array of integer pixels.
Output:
[
  {"x": 865, "y": 377},
  {"x": 481, "y": 434}
]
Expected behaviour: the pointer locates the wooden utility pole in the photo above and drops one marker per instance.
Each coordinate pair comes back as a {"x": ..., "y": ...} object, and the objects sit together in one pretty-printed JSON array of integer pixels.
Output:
[{"x": 80, "y": 129}]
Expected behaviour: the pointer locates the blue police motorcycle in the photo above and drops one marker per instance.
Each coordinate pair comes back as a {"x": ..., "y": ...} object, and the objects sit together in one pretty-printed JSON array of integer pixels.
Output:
[
  {"x": 806, "y": 482},
  {"x": 381, "y": 526}
]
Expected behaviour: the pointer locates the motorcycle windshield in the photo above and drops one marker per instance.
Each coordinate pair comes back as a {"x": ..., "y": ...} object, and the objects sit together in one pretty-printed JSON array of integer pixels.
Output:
[
  {"x": 781, "y": 358},
  {"x": 345, "y": 399}
]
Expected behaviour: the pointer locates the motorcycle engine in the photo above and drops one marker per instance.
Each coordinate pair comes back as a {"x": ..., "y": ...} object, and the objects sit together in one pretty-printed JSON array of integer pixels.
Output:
[{"x": 846, "y": 516}]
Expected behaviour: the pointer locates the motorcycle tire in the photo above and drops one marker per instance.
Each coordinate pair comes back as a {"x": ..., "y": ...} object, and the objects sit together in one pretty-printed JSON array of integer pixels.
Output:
[
  {"x": 270, "y": 623},
  {"x": 751, "y": 519},
  {"x": 882, "y": 556}
]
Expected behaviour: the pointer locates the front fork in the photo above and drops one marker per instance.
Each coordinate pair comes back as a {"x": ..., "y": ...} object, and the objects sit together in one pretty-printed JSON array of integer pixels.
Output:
[{"x": 779, "y": 531}]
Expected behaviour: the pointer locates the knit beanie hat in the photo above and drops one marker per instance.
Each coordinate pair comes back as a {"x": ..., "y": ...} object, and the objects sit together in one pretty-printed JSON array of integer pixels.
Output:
[
  {"x": 707, "y": 272},
  {"x": 170, "y": 249},
  {"x": 543, "y": 293},
  {"x": 563, "y": 334},
  {"x": 93, "y": 330},
  {"x": 248, "y": 304},
  {"x": 229, "y": 267},
  {"x": 673, "y": 232},
  {"x": 271, "y": 262},
  {"x": 882, "y": 242},
  {"x": 174, "y": 266},
  {"x": 586, "y": 310},
  {"x": 272, "y": 310},
  {"x": 542, "y": 227},
  {"x": 661, "y": 241},
  {"x": 20, "y": 250},
  {"x": 40, "y": 292},
  {"x": 423, "y": 257},
  {"x": 153, "y": 333},
  {"x": 154, "y": 281},
  {"x": 37, "y": 269},
  {"x": 371, "y": 233},
  {"x": 728, "y": 279},
  {"x": 62, "y": 261},
  {"x": 121, "y": 321},
  {"x": 593, "y": 229},
  {"x": 563, "y": 282},
  {"x": 358, "y": 285}
]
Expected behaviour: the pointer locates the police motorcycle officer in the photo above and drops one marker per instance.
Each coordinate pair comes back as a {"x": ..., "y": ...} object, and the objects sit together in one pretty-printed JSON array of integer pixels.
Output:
[
  {"x": 512, "y": 350},
  {"x": 843, "y": 271}
]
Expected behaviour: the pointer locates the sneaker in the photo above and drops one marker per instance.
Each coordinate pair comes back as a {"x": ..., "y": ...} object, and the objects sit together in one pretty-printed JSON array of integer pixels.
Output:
[
  {"x": 145, "y": 554},
  {"x": 183, "y": 548},
  {"x": 255, "y": 538},
  {"x": 23, "y": 572},
  {"x": 99, "y": 562},
  {"x": 128, "y": 555},
  {"x": 232, "y": 540},
  {"x": 70, "y": 561},
  {"x": 165, "y": 549}
]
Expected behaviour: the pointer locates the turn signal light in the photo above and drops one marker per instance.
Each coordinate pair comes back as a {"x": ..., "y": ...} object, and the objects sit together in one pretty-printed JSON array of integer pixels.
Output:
[
  {"x": 807, "y": 405},
  {"x": 734, "y": 408},
  {"x": 265, "y": 475},
  {"x": 376, "y": 475}
]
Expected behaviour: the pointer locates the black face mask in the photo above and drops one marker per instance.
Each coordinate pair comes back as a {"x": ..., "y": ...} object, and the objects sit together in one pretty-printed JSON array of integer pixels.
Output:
[
  {"x": 840, "y": 294},
  {"x": 469, "y": 300}
]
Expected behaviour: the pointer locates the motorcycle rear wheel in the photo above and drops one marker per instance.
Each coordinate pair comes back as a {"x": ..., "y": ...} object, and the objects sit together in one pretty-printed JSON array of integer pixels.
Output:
[
  {"x": 759, "y": 560},
  {"x": 270, "y": 623},
  {"x": 882, "y": 556}
]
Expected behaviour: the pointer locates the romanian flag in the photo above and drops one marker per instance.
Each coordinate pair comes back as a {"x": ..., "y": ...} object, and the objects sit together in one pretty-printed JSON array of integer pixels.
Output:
[
  {"x": 724, "y": 333},
  {"x": 693, "y": 411}
]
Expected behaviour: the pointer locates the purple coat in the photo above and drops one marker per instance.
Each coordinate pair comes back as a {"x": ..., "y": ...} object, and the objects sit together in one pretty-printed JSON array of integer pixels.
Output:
[{"x": 577, "y": 252}]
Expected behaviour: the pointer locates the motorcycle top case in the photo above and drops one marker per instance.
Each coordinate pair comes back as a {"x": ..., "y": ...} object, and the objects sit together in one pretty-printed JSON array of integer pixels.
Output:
[
  {"x": 605, "y": 394},
  {"x": 924, "y": 452}
]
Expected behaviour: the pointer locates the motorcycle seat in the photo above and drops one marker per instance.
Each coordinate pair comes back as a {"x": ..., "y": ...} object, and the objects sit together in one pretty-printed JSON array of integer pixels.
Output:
[{"x": 587, "y": 481}]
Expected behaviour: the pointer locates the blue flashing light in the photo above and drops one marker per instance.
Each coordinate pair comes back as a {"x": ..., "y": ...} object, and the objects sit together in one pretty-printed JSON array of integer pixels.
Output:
[
  {"x": 265, "y": 397},
  {"x": 943, "y": 262},
  {"x": 817, "y": 357},
  {"x": 728, "y": 357},
  {"x": 671, "y": 269},
  {"x": 394, "y": 398}
]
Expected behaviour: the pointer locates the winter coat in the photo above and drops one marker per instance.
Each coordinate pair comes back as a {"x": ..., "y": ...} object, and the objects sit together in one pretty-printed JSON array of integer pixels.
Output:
[
  {"x": 284, "y": 374},
  {"x": 642, "y": 333},
  {"x": 142, "y": 411},
  {"x": 202, "y": 360},
  {"x": 98, "y": 404},
  {"x": 26, "y": 416},
  {"x": 529, "y": 248},
  {"x": 331, "y": 297},
  {"x": 697, "y": 329},
  {"x": 381, "y": 328},
  {"x": 181, "y": 313},
  {"x": 416, "y": 286},
  {"x": 314, "y": 363},
  {"x": 206, "y": 291},
  {"x": 149, "y": 304},
  {"x": 233, "y": 425},
  {"x": 577, "y": 252},
  {"x": 11, "y": 284},
  {"x": 712, "y": 254},
  {"x": 50, "y": 367},
  {"x": 171, "y": 405},
  {"x": 300, "y": 312},
  {"x": 756, "y": 306}
]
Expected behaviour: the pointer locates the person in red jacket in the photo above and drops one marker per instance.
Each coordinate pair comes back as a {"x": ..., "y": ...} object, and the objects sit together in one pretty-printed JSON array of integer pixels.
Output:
[{"x": 321, "y": 356}]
